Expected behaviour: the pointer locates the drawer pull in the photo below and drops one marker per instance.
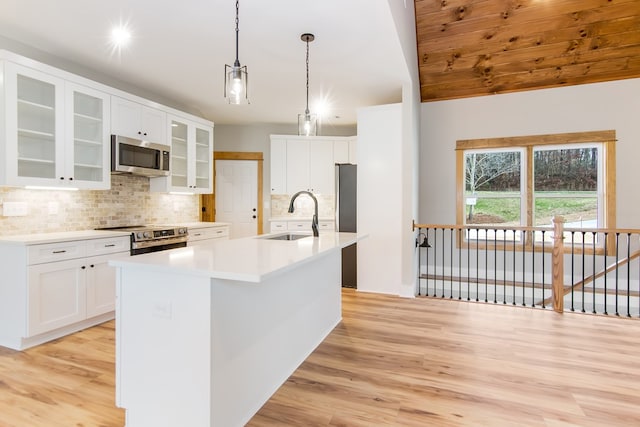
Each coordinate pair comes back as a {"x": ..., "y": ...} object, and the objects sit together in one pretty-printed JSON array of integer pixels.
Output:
[
  {"x": 219, "y": 232},
  {"x": 110, "y": 245},
  {"x": 197, "y": 234},
  {"x": 60, "y": 252}
]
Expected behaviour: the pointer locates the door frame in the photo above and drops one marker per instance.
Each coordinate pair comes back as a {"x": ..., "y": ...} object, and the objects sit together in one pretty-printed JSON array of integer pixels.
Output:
[{"x": 208, "y": 201}]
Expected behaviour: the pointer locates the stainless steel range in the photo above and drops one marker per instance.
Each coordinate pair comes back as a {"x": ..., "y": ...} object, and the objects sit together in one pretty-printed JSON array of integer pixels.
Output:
[{"x": 145, "y": 239}]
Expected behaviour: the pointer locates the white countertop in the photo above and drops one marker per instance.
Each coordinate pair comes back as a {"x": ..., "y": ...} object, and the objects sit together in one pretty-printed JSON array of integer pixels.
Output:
[
  {"x": 63, "y": 236},
  {"x": 251, "y": 259},
  {"x": 299, "y": 218}
]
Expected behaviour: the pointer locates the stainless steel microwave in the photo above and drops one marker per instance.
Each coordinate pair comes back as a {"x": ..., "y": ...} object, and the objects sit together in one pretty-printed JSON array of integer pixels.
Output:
[{"x": 138, "y": 157}]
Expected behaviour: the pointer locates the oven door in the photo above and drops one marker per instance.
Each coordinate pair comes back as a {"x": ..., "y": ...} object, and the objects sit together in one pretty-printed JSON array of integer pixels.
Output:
[{"x": 164, "y": 247}]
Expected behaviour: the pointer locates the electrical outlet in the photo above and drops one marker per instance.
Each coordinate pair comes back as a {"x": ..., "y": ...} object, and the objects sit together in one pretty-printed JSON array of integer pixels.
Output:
[{"x": 15, "y": 209}]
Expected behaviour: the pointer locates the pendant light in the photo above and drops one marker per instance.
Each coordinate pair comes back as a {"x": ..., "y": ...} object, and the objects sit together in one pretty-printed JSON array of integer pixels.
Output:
[
  {"x": 235, "y": 78},
  {"x": 307, "y": 123}
]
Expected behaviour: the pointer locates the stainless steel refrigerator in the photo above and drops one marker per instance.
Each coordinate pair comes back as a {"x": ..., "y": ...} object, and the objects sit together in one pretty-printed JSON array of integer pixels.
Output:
[{"x": 346, "y": 219}]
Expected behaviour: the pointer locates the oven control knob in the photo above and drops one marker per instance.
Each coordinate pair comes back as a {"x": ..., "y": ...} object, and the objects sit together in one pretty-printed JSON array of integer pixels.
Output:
[
  {"x": 182, "y": 231},
  {"x": 139, "y": 235},
  {"x": 147, "y": 234}
]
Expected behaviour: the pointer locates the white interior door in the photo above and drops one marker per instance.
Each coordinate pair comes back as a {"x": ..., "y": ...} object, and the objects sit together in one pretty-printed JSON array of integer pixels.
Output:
[{"x": 237, "y": 196}]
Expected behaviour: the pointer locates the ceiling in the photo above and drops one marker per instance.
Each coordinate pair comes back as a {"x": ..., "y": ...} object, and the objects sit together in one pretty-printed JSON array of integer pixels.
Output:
[
  {"x": 178, "y": 51},
  {"x": 480, "y": 47},
  {"x": 465, "y": 48}
]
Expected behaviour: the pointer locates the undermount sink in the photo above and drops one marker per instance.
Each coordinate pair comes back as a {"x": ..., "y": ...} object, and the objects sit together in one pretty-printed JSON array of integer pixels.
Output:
[{"x": 286, "y": 236}]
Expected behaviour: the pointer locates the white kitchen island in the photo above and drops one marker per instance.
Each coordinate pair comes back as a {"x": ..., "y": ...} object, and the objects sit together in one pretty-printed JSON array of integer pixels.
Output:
[{"x": 206, "y": 334}]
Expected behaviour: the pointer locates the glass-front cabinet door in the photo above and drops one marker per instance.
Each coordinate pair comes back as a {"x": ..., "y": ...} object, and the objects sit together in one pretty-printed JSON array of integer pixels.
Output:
[
  {"x": 203, "y": 158},
  {"x": 191, "y": 159},
  {"x": 57, "y": 132},
  {"x": 87, "y": 151},
  {"x": 35, "y": 126},
  {"x": 179, "y": 155}
]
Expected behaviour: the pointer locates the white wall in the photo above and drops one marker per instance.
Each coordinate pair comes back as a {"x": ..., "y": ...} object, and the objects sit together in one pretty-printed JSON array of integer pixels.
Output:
[
  {"x": 600, "y": 106},
  {"x": 380, "y": 199}
]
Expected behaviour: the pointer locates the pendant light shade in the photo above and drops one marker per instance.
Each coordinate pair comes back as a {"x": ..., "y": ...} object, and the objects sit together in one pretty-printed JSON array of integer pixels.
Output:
[
  {"x": 236, "y": 76},
  {"x": 307, "y": 122}
]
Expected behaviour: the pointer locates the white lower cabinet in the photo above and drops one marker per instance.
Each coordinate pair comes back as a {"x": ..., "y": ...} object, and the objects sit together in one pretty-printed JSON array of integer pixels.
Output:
[
  {"x": 202, "y": 235},
  {"x": 57, "y": 294},
  {"x": 300, "y": 225},
  {"x": 57, "y": 288}
]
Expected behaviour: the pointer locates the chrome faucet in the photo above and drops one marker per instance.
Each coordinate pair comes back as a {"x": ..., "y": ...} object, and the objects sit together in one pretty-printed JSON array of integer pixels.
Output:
[{"x": 314, "y": 221}]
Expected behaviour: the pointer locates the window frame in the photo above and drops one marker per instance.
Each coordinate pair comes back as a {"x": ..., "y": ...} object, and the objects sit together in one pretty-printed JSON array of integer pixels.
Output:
[{"x": 606, "y": 139}]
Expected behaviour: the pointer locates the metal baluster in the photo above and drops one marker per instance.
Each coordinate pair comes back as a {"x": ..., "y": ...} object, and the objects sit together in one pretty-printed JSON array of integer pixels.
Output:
[
  {"x": 523, "y": 270},
  {"x": 618, "y": 269},
  {"x": 443, "y": 230},
  {"x": 573, "y": 241},
  {"x": 419, "y": 258},
  {"x": 629, "y": 274},
  {"x": 543, "y": 305},
  {"x": 459, "y": 264},
  {"x": 504, "y": 269},
  {"x": 468, "y": 265},
  {"x": 477, "y": 264},
  {"x": 584, "y": 233},
  {"x": 604, "y": 262},
  {"x": 486, "y": 264},
  {"x": 533, "y": 268},
  {"x": 593, "y": 236},
  {"x": 435, "y": 262},
  {"x": 495, "y": 265},
  {"x": 451, "y": 263},
  {"x": 514, "y": 268}
]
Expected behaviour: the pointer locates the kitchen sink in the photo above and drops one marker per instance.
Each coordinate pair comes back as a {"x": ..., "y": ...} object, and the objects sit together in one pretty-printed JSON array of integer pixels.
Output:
[{"x": 286, "y": 236}]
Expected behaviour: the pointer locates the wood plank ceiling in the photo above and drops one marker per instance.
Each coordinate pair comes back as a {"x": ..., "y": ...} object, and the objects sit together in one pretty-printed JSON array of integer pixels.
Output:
[{"x": 478, "y": 47}]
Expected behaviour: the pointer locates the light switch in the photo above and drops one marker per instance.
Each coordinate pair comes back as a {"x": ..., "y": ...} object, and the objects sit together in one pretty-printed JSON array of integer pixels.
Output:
[{"x": 15, "y": 209}]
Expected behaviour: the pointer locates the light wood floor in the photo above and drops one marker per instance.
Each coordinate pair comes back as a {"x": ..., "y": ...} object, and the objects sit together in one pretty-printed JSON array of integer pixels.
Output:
[{"x": 391, "y": 362}]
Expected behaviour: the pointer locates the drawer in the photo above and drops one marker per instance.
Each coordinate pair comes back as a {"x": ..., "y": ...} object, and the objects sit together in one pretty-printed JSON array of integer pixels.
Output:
[
  {"x": 51, "y": 252},
  {"x": 277, "y": 226},
  {"x": 299, "y": 225},
  {"x": 208, "y": 233},
  {"x": 326, "y": 225},
  {"x": 110, "y": 245}
]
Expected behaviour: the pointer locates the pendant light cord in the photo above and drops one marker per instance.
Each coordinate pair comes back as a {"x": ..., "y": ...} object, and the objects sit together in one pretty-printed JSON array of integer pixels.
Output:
[
  {"x": 237, "y": 63},
  {"x": 306, "y": 111}
]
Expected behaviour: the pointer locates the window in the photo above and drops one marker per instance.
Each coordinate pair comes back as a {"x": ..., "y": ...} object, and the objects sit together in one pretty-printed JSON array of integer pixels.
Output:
[{"x": 525, "y": 181}]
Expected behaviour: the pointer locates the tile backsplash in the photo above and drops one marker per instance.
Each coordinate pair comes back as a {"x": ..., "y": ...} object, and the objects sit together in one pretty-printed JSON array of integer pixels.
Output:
[
  {"x": 303, "y": 206},
  {"x": 128, "y": 202}
]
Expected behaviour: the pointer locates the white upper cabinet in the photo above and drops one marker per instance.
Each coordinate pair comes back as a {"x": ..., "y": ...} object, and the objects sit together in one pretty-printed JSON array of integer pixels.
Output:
[
  {"x": 278, "y": 165},
  {"x": 344, "y": 151},
  {"x": 310, "y": 166},
  {"x": 191, "y": 157},
  {"x": 56, "y": 132},
  {"x": 307, "y": 163},
  {"x": 138, "y": 121}
]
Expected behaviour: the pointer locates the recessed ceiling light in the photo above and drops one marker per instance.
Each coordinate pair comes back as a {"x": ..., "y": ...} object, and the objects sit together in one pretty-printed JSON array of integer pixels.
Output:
[{"x": 120, "y": 36}]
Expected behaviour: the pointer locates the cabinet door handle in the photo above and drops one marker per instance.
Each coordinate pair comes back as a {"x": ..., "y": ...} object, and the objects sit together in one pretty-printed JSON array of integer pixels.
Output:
[
  {"x": 83, "y": 267},
  {"x": 92, "y": 266},
  {"x": 60, "y": 252},
  {"x": 109, "y": 246}
]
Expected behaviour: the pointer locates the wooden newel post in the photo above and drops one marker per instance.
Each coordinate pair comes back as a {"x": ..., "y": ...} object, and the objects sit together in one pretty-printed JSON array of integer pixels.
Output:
[{"x": 557, "y": 262}]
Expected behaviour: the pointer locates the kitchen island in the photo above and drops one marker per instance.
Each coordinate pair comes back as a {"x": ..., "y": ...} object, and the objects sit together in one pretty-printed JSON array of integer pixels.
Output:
[{"x": 206, "y": 334}]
